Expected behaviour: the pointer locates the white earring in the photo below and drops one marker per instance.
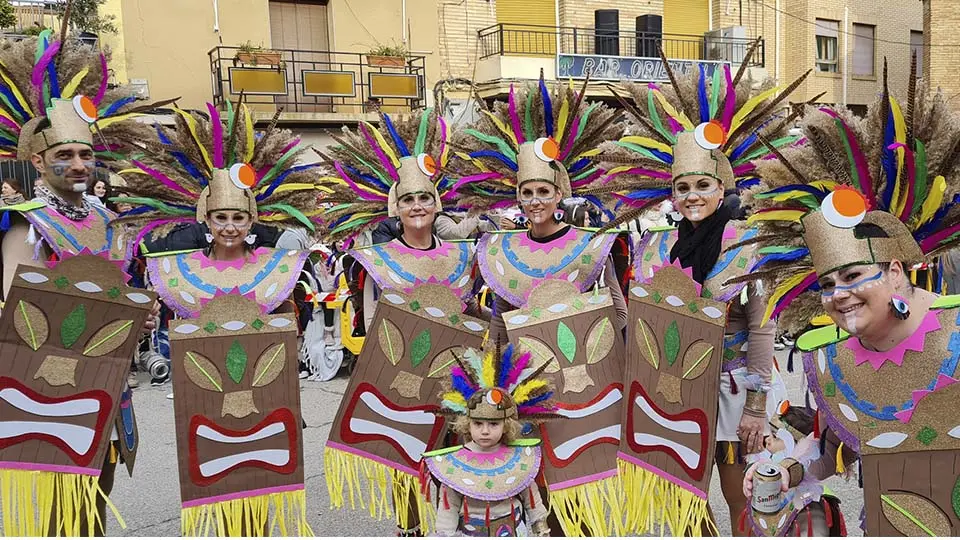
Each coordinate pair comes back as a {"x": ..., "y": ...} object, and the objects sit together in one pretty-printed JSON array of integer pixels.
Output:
[
  {"x": 250, "y": 239},
  {"x": 209, "y": 238}
]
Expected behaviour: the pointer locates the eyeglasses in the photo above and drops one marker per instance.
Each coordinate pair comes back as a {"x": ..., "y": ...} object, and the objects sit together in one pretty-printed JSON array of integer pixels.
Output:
[{"x": 410, "y": 200}]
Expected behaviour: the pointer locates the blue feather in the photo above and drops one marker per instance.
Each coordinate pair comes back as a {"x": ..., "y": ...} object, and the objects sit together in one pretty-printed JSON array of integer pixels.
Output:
[
  {"x": 13, "y": 101},
  {"x": 578, "y": 166},
  {"x": 495, "y": 155},
  {"x": 462, "y": 386},
  {"x": 603, "y": 208},
  {"x": 547, "y": 108},
  {"x": 749, "y": 183},
  {"x": 933, "y": 225},
  {"x": 372, "y": 179},
  {"x": 117, "y": 105},
  {"x": 182, "y": 159},
  {"x": 506, "y": 364},
  {"x": 54, "y": 82},
  {"x": 702, "y": 95},
  {"x": 401, "y": 146},
  {"x": 818, "y": 193},
  {"x": 662, "y": 156},
  {"x": 648, "y": 193},
  {"x": 539, "y": 399},
  {"x": 889, "y": 161},
  {"x": 794, "y": 255},
  {"x": 5, "y": 222},
  {"x": 281, "y": 177}
]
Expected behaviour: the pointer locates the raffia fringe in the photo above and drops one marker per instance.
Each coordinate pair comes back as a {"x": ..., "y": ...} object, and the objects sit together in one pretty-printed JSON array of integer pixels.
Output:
[
  {"x": 34, "y": 501},
  {"x": 652, "y": 502},
  {"x": 597, "y": 506},
  {"x": 285, "y": 512},
  {"x": 369, "y": 483}
]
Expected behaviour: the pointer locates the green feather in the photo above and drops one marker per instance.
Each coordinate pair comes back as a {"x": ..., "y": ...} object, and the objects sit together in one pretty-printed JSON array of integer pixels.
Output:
[
  {"x": 279, "y": 165},
  {"x": 155, "y": 204},
  {"x": 655, "y": 118},
  {"x": 714, "y": 94},
  {"x": 231, "y": 124},
  {"x": 920, "y": 184},
  {"x": 639, "y": 149},
  {"x": 854, "y": 174},
  {"x": 501, "y": 144},
  {"x": 292, "y": 212},
  {"x": 584, "y": 174},
  {"x": 584, "y": 119},
  {"x": 421, "y": 144},
  {"x": 376, "y": 170},
  {"x": 762, "y": 149}
]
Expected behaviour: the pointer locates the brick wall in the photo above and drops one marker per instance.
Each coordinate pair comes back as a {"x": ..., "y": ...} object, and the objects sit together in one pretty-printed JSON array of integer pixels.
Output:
[
  {"x": 940, "y": 21},
  {"x": 459, "y": 23},
  {"x": 579, "y": 13}
]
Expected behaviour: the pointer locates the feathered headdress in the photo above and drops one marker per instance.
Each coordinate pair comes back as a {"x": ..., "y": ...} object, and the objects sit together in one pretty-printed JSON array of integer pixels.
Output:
[
  {"x": 220, "y": 162},
  {"x": 701, "y": 124},
  {"x": 377, "y": 167},
  {"x": 63, "y": 81},
  {"x": 859, "y": 192},
  {"x": 497, "y": 387},
  {"x": 535, "y": 135}
]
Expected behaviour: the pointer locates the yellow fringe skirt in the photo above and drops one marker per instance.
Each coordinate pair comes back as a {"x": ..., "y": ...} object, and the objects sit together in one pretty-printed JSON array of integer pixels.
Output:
[
  {"x": 43, "y": 503},
  {"x": 652, "y": 501},
  {"x": 591, "y": 509},
  {"x": 260, "y": 515}
]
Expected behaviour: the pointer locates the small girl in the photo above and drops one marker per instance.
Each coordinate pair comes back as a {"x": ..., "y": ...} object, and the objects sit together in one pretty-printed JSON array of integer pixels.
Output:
[{"x": 487, "y": 485}]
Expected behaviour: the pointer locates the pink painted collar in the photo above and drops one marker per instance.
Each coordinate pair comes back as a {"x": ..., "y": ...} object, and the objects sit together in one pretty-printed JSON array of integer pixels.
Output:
[
  {"x": 931, "y": 323},
  {"x": 442, "y": 250},
  {"x": 559, "y": 243},
  {"x": 943, "y": 381},
  {"x": 485, "y": 458},
  {"x": 207, "y": 262}
]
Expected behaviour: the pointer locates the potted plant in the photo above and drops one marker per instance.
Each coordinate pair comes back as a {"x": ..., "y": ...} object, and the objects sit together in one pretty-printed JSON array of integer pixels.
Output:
[
  {"x": 387, "y": 56},
  {"x": 257, "y": 55}
]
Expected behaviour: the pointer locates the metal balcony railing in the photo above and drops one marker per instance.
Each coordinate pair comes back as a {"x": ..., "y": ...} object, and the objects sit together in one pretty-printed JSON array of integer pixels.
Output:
[
  {"x": 532, "y": 40},
  {"x": 305, "y": 81}
]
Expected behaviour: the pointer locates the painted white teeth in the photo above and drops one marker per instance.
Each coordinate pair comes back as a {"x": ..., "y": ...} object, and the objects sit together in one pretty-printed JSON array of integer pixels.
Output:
[
  {"x": 412, "y": 447},
  {"x": 76, "y": 407},
  {"x": 78, "y": 438},
  {"x": 571, "y": 446},
  {"x": 214, "y": 467},
  {"x": 211, "y": 434},
  {"x": 609, "y": 400},
  {"x": 404, "y": 417},
  {"x": 689, "y": 456}
]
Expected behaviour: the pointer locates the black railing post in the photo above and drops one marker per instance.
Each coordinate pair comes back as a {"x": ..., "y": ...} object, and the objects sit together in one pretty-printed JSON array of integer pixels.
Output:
[{"x": 500, "y": 31}]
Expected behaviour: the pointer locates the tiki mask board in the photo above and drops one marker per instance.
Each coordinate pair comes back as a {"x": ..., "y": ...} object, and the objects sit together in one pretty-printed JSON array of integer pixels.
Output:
[
  {"x": 67, "y": 335},
  {"x": 674, "y": 348},
  {"x": 388, "y": 408},
  {"x": 576, "y": 335},
  {"x": 238, "y": 402}
]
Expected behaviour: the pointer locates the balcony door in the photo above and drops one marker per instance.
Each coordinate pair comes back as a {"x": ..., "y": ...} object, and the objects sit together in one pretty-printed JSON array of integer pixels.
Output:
[
  {"x": 685, "y": 22},
  {"x": 301, "y": 26},
  {"x": 529, "y": 26}
]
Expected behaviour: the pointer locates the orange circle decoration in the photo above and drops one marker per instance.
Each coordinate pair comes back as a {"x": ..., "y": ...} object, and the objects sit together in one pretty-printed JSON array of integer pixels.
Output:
[
  {"x": 427, "y": 164},
  {"x": 494, "y": 397},
  {"x": 85, "y": 108},
  {"x": 546, "y": 148},
  {"x": 844, "y": 208},
  {"x": 710, "y": 135},
  {"x": 784, "y": 406},
  {"x": 243, "y": 176}
]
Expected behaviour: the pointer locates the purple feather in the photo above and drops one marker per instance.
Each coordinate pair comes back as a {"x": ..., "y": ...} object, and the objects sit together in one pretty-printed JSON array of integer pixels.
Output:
[
  {"x": 534, "y": 409},
  {"x": 860, "y": 161},
  {"x": 568, "y": 144},
  {"x": 675, "y": 126},
  {"x": 40, "y": 69},
  {"x": 744, "y": 168},
  {"x": 384, "y": 160},
  {"x": 731, "y": 99},
  {"x": 469, "y": 180},
  {"x": 104, "y": 75},
  {"x": 216, "y": 128},
  {"x": 362, "y": 193},
  {"x": 515, "y": 118},
  {"x": 162, "y": 178},
  {"x": 10, "y": 124},
  {"x": 514, "y": 374},
  {"x": 153, "y": 225},
  {"x": 585, "y": 181},
  {"x": 461, "y": 383}
]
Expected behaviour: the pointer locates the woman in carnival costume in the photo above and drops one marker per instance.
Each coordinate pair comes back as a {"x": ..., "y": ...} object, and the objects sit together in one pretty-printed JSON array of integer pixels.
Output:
[
  {"x": 691, "y": 142},
  {"x": 397, "y": 171},
  {"x": 536, "y": 150},
  {"x": 841, "y": 220},
  {"x": 488, "y": 484}
]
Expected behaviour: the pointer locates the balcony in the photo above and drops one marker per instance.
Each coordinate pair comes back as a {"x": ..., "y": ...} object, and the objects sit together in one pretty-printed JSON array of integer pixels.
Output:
[
  {"x": 315, "y": 86},
  {"x": 510, "y": 52}
]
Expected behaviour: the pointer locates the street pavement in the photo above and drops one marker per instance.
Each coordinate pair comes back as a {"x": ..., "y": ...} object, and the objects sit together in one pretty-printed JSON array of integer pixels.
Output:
[{"x": 150, "y": 501}]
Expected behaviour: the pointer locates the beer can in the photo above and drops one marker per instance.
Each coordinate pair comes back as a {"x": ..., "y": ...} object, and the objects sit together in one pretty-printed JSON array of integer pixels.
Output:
[{"x": 766, "y": 489}]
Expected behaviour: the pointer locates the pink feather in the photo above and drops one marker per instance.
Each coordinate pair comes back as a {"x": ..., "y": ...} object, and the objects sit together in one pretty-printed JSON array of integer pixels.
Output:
[
  {"x": 790, "y": 296},
  {"x": 153, "y": 225},
  {"x": 469, "y": 180},
  {"x": 162, "y": 178},
  {"x": 568, "y": 144},
  {"x": 39, "y": 72},
  {"x": 514, "y": 375},
  {"x": 731, "y": 100},
  {"x": 216, "y": 128},
  {"x": 744, "y": 168},
  {"x": 104, "y": 75},
  {"x": 586, "y": 180},
  {"x": 10, "y": 124},
  {"x": 515, "y": 118},
  {"x": 534, "y": 409},
  {"x": 362, "y": 193},
  {"x": 387, "y": 164},
  {"x": 291, "y": 145}
]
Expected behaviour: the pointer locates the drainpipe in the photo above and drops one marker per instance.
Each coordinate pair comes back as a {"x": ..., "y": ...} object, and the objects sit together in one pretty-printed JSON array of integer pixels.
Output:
[
  {"x": 776, "y": 55},
  {"x": 216, "y": 16},
  {"x": 403, "y": 23},
  {"x": 846, "y": 49}
]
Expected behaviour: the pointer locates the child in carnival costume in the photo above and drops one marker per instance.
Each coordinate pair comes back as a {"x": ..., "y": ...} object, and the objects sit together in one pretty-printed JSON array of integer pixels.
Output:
[
  {"x": 692, "y": 142},
  {"x": 488, "y": 484},
  {"x": 841, "y": 220},
  {"x": 809, "y": 509}
]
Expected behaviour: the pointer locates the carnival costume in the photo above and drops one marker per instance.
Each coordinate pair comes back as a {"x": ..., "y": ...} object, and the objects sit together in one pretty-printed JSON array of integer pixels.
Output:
[
  {"x": 544, "y": 301},
  {"x": 492, "y": 493},
  {"x": 702, "y": 125},
  {"x": 181, "y": 176},
  {"x": 220, "y": 164},
  {"x": 44, "y": 89},
  {"x": 427, "y": 314},
  {"x": 865, "y": 191}
]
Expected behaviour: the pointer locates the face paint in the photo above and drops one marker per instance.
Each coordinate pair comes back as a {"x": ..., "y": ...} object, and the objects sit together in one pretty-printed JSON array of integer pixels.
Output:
[
  {"x": 851, "y": 320},
  {"x": 859, "y": 286}
]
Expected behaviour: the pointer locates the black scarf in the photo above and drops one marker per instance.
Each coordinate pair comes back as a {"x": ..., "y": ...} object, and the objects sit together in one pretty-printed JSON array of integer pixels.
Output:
[
  {"x": 699, "y": 247},
  {"x": 67, "y": 210}
]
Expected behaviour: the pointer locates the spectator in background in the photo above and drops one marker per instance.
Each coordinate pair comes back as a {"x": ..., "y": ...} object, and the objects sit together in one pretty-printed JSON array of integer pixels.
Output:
[
  {"x": 951, "y": 270},
  {"x": 12, "y": 192},
  {"x": 99, "y": 189}
]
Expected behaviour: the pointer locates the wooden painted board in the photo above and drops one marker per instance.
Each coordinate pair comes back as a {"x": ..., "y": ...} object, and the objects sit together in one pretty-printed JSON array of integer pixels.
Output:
[
  {"x": 67, "y": 335},
  {"x": 577, "y": 336},
  {"x": 674, "y": 353},
  {"x": 387, "y": 412},
  {"x": 237, "y": 409}
]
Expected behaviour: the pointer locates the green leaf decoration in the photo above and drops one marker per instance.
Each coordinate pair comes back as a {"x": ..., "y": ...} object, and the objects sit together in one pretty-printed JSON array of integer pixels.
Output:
[
  {"x": 671, "y": 343},
  {"x": 31, "y": 324},
  {"x": 73, "y": 326},
  {"x": 955, "y": 498},
  {"x": 236, "y": 361},
  {"x": 390, "y": 340},
  {"x": 420, "y": 348},
  {"x": 600, "y": 341},
  {"x": 566, "y": 341}
]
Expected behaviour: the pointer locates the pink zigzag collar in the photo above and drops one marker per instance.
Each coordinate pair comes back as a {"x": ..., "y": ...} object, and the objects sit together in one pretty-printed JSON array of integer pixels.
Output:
[{"x": 931, "y": 323}]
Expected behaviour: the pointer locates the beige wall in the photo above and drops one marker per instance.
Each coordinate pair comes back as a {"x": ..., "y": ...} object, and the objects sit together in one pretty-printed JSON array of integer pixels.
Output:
[
  {"x": 458, "y": 23},
  {"x": 579, "y": 13},
  {"x": 941, "y": 19}
]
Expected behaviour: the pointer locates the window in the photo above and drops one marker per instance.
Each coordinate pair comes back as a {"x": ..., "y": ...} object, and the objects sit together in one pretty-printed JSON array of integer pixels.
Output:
[
  {"x": 863, "y": 50},
  {"x": 827, "y": 32},
  {"x": 916, "y": 47}
]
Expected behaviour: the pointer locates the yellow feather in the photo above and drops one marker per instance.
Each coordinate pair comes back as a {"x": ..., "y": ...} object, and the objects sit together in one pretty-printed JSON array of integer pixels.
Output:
[
  {"x": 589, "y": 153},
  {"x": 476, "y": 162},
  {"x": 522, "y": 393},
  {"x": 503, "y": 128},
  {"x": 933, "y": 200},
  {"x": 781, "y": 290},
  {"x": 192, "y": 126},
  {"x": 824, "y": 184},
  {"x": 383, "y": 144},
  {"x": 249, "y": 134},
  {"x": 647, "y": 142},
  {"x": 455, "y": 397},
  {"x": 900, "y": 135},
  {"x": 107, "y": 122},
  {"x": 71, "y": 86},
  {"x": 562, "y": 120},
  {"x": 777, "y": 215},
  {"x": 487, "y": 369},
  {"x": 677, "y": 115},
  {"x": 289, "y": 187},
  {"x": 750, "y": 105},
  {"x": 130, "y": 171},
  {"x": 16, "y": 91}
]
